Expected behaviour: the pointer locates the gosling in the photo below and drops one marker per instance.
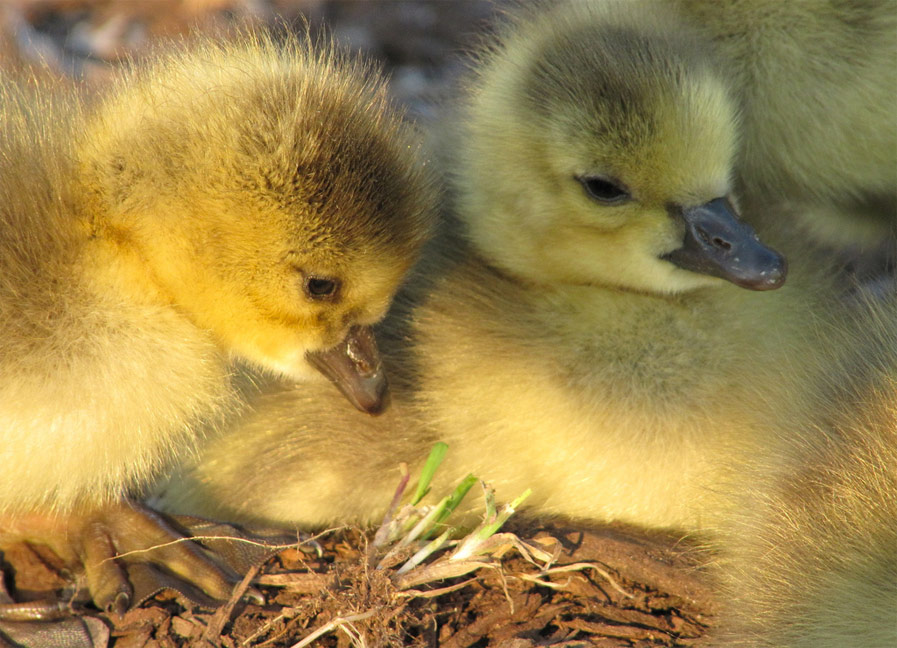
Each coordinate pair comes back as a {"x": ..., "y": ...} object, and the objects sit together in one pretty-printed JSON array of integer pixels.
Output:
[
  {"x": 593, "y": 322},
  {"x": 817, "y": 86},
  {"x": 231, "y": 203}
]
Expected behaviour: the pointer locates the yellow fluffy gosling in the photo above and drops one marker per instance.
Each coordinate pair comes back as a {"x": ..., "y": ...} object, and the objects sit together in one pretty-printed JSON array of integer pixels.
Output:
[{"x": 247, "y": 201}]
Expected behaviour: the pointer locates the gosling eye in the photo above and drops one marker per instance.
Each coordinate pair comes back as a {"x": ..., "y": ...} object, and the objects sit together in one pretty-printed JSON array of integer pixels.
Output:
[
  {"x": 608, "y": 192},
  {"x": 321, "y": 288}
]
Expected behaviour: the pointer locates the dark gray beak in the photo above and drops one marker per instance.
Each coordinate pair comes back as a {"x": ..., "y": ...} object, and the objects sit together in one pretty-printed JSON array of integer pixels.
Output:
[
  {"x": 354, "y": 366},
  {"x": 718, "y": 244}
]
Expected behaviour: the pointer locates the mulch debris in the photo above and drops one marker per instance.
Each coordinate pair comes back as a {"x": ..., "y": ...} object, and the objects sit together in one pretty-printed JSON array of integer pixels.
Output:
[{"x": 635, "y": 589}]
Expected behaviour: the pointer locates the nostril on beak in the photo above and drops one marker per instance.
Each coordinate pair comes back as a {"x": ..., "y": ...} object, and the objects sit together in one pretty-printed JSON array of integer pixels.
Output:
[{"x": 713, "y": 241}]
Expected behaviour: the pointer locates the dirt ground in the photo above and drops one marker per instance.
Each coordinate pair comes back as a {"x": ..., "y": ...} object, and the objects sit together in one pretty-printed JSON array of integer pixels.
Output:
[
  {"x": 627, "y": 588},
  {"x": 608, "y": 587}
]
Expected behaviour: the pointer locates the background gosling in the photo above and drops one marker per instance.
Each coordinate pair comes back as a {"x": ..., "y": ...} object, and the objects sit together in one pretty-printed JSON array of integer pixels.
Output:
[
  {"x": 817, "y": 86},
  {"x": 245, "y": 201}
]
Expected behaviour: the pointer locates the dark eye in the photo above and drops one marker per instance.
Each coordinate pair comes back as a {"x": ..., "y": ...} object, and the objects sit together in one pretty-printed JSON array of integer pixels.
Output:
[
  {"x": 321, "y": 288},
  {"x": 604, "y": 190}
]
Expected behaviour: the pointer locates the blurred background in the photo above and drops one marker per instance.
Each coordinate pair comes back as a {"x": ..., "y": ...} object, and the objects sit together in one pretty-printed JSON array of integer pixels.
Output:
[{"x": 417, "y": 41}]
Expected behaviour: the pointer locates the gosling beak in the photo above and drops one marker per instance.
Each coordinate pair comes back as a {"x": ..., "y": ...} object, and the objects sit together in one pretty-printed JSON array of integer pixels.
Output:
[
  {"x": 717, "y": 243},
  {"x": 354, "y": 366}
]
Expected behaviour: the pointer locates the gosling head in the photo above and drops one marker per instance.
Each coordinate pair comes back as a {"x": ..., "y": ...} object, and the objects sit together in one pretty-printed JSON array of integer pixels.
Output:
[
  {"x": 598, "y": 147},
  {"x": 272, "y": 194}
]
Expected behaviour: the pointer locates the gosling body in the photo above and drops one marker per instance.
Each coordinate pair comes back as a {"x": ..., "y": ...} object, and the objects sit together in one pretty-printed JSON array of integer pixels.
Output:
[{"x": 636, "y": 423}]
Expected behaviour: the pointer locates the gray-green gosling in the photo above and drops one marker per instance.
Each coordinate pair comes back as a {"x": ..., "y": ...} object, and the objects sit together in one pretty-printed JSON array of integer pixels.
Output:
[{"x": 594, "y": 322}]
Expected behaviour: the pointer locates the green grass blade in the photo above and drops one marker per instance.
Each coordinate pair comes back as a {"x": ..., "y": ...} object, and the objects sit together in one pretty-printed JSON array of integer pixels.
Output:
[
  {"x": 451, "y": 503},
  {"x": 437, "y": 454},
  {"x": 493, "y": 527},
  {"x": 425, "y": 552}
]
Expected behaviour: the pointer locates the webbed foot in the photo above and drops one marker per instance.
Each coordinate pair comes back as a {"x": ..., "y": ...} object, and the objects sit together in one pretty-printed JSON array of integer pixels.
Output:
[{"x": 128, "y": 552}]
